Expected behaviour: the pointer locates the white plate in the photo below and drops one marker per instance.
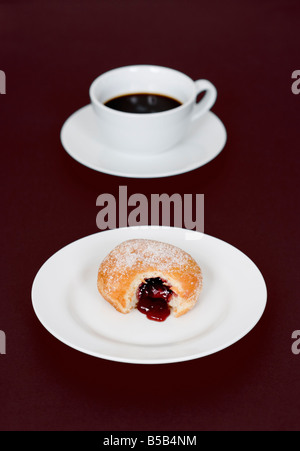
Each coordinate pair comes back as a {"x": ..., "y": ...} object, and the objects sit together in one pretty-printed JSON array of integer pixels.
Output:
[
  {"x": 82, "y": 140},
  {"x": 66, "y": 301}
]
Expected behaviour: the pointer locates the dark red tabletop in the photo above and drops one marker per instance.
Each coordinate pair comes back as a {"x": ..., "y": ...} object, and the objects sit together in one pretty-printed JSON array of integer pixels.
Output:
[{"x": 50, "y": 53}]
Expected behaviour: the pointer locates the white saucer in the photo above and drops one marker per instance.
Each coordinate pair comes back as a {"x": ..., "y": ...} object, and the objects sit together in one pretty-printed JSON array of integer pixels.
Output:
[
  {"x": 81, "y": 139},
  {"x": 66, "y": 300}
]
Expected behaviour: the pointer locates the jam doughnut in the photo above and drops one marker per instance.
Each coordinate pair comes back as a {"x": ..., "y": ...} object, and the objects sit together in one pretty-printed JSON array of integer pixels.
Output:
[{"x": 156, "y": 278}]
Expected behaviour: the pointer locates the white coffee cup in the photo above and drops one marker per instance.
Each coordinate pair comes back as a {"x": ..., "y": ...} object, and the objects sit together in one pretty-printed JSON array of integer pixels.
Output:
[{"x": 149, "y": 133}]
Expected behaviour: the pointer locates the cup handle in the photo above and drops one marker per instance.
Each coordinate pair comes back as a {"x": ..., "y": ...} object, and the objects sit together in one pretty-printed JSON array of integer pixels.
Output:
[{"x": 207, "y": 101}]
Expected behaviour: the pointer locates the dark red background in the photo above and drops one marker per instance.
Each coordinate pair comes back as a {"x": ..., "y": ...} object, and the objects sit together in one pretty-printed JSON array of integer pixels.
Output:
[{"x": 51, "y": 52}]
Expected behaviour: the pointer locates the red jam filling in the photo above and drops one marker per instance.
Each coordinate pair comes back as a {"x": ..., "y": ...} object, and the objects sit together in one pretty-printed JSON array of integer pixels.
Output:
[{"x": 153, "y": 297}]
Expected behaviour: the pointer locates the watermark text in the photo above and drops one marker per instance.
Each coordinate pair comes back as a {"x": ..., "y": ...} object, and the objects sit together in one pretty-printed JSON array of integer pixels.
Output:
[
  {"x": 296, "y": 84},
  {"x": 296, "y": 343},
  {"x": 2, "y": 82},
  {"x": 173, "y": 210},
  {"x": 2, "y": 342}
]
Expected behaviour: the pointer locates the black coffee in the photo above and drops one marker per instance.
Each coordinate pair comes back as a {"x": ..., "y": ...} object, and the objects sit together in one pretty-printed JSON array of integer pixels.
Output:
[{"x": 142, "y": 103}]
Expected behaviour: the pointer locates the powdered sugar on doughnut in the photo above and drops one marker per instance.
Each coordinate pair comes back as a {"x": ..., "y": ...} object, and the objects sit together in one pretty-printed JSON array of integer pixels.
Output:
[
  {"x": 134, "y": 261},
  {"x": 142, "y": 252},
  {"x": 137, "y": 254}
]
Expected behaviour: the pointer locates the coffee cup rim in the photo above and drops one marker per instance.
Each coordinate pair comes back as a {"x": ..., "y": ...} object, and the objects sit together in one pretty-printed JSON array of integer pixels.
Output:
[{"x": 109, "y": 110}]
